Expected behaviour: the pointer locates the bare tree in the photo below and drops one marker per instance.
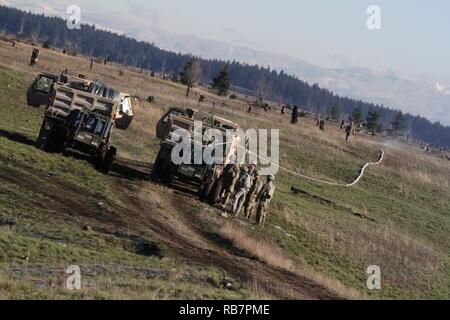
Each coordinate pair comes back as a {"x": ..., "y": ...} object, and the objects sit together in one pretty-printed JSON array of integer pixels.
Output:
[
  {"x": 192, "y": 74},
  {"x": 263, "y": 88}
]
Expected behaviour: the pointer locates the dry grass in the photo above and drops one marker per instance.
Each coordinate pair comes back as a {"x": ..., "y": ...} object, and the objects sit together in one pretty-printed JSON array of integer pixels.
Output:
[
  {"x": 414, "y": 164},
  {"x": 275, "y": 257},
  {"x": 346, "y": 237}
]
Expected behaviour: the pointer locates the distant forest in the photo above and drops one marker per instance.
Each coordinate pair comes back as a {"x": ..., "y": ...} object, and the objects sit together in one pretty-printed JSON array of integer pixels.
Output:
[{"x": 269, "y": 84}]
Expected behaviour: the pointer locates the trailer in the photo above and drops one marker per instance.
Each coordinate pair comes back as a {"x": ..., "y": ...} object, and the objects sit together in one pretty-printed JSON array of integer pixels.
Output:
[{"x": 81, "y": 114}]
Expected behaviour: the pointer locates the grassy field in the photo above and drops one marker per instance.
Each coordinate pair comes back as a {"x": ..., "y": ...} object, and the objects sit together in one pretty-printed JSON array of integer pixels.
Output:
[{"x": 135, "y": 239}]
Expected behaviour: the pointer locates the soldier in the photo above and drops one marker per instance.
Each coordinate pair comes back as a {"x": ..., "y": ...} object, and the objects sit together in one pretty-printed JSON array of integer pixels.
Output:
[
  {"x": 34, "y": 57},
  {"x": 322, "y": 125},
  {"x": 342, "y": 125},
  {"x": 283, "y": 110},
  {"x": 229, "y": 178},
  {"x": 264, "y": 198},
  {"x": 91, "y": 66},
  {"x": 243, "y": 186},
  {"x": 250, "y": 201},
  {"x": 295, "y": 115},
  {"x": 349, "y": 130},
  {"x": 64, "y": 77}
]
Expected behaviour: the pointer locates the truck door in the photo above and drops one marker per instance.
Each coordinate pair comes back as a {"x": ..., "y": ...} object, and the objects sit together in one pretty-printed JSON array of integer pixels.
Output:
[{"x": 41, "y": 90}]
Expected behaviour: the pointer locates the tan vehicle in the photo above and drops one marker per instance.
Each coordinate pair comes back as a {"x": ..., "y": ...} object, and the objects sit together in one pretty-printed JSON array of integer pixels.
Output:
[
  {"x": 203, "y": 176},
  {"x": 81, "y": 114}
]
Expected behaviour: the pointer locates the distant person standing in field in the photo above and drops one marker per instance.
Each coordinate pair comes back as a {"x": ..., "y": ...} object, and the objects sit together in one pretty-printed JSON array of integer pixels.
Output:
[
  {"x": 92, "y": 64},
  {"x": 295, "y": 115},
  {"x": 349, "y": 130},
  {"x": 34, "y": 57},
  {"x": 322, "y": 124},
  {"x": 342, "y": 125}
]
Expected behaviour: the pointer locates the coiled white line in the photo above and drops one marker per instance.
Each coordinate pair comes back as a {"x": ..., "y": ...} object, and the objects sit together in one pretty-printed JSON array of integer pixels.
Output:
[{"x": 361, "y": 173}]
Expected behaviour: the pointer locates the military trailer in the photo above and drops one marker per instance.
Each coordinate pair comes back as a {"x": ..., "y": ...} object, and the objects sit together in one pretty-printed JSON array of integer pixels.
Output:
[
  {"x": 202, "y": 176},
  {"x": 80, "y": 114}
]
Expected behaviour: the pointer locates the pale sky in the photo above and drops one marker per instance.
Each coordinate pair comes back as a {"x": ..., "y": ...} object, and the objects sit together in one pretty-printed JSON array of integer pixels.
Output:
[{"x": 413, "y": 40}]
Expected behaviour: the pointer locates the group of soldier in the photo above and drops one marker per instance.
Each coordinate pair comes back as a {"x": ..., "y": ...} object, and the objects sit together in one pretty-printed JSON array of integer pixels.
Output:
[{"x": 246, "y": 191}]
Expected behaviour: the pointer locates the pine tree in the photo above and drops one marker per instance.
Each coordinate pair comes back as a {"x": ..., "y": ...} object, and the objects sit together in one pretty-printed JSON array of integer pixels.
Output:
[
  {"x": 398, "y": 125},
  {"x": 357, "y": 117},
  {"x": 373, "y": 122},
  {"x": 335, "y": 112},
  {"x": 221, "y": 83}
]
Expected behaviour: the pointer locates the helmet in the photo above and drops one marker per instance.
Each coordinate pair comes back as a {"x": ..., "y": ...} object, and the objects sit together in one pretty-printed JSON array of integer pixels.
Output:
[{"x": 271, "y": 177}]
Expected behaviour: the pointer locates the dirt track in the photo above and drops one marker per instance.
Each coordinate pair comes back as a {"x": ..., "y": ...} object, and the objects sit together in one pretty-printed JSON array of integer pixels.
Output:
[
  {"x": 185, "y": 234},
  {"x": 198, "y": 245}
]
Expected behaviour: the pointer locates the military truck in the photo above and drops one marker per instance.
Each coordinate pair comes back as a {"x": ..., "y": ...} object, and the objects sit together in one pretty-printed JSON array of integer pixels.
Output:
[
  {"x": 202, "y": 176},
  {"x": 80, "y": 113}
]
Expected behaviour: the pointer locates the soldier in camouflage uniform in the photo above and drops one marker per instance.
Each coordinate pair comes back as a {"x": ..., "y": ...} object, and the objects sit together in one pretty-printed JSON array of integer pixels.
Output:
[
  {"x": 229, "y": 179},
  {"x": 250, "y": 201},
  {"x": 243, "y": 186},
  {"x": 264, "y": 198}
]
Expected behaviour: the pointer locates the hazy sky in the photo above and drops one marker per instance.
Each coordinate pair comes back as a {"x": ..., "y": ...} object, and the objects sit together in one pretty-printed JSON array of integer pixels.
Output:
[{"x": 414, "y": 36}]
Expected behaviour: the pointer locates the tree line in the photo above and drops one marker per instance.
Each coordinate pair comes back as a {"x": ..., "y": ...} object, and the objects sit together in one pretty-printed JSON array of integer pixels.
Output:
[{"x": 266, "y": 83}]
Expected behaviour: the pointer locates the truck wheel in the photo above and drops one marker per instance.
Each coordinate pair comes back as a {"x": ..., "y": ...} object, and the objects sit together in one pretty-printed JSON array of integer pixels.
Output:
[
  {"x": 168, "y": 171},
  {"x": 214, "y": 195},
  {"x": 59, "y": 140},
  {"x": 99, "y": 159},
  {"x": 43, "y": 141},
  {"x": 108, "y": 160},
  {"x": 204, "y": 191}
]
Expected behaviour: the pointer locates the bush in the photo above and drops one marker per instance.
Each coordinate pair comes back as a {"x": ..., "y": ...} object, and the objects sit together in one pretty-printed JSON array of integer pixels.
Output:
[{"x": 47, "y": 44}]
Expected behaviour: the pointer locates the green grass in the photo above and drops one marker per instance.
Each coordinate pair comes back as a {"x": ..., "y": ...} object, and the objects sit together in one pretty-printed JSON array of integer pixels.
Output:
[
  {"x": 45, "y": 202},
  {"x": 47, "y": 199}
]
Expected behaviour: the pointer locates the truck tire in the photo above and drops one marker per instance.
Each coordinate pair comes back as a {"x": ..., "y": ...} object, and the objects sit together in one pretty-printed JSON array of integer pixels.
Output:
[
  {"x": 44, "y": 136},
  {"x": 108, "y": 160},
  {"x": 59, "y": 140},
  {"x": 51, "y": 138},
  {"x": 214, "y": 195},
  {"x": 167, "y": 174}
]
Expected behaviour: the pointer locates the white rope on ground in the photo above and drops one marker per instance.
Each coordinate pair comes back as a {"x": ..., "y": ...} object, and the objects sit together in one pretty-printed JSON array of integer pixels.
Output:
[{"x": 361, "y": 174}]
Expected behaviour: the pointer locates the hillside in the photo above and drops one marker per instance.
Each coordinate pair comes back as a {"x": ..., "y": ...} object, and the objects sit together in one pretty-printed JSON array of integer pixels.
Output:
[
  {"x": 277, "y": 85},
  {"x": 136, "y": 239}
]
